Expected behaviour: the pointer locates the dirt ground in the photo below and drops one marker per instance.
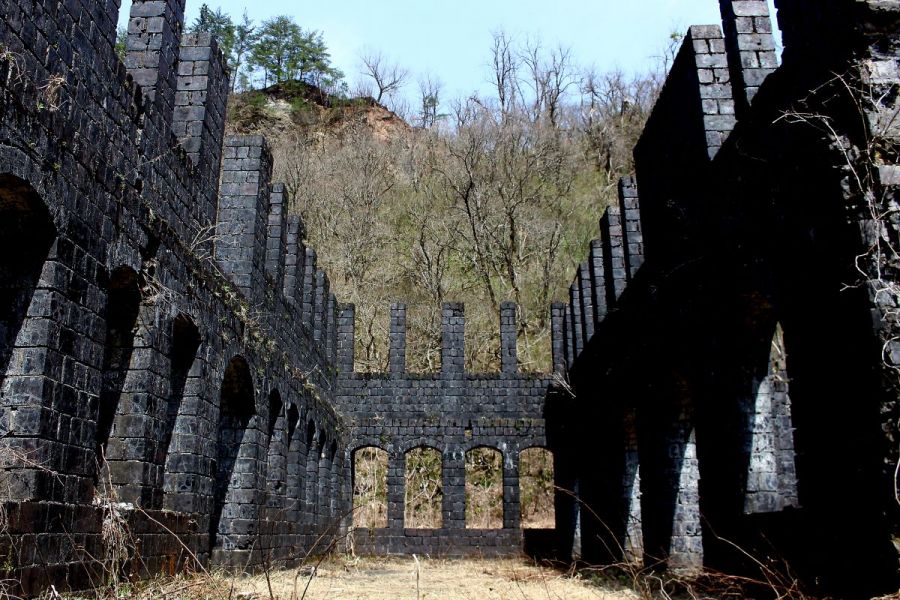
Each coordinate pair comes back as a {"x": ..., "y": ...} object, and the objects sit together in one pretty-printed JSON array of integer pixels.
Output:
[{"x": 403, "y": 578}]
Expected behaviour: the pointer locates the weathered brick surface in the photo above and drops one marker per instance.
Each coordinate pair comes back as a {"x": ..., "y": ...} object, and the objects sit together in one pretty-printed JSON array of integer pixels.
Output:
[
  {"x": 172, "y": 355},
  {"x": 453, "y": 412},
  {"x": 114, "y": 178},
  {"x": 756, "y": 288}
]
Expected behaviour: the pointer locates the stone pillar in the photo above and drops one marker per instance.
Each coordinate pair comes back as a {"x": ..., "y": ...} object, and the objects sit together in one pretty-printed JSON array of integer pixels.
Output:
[
  {"x": 346, "y": 332},
  {"x": 585, "y": 293},
  {"x": 397, "y": 350},
  {"x": 309, "y": 288},
  {"x": 629, "y": 207},
  {"x": 454, "y": 500},
  {"x": 597, "y": 268},
  {"x": 296, "y": 474},
  {"x": 512, "y": 507},
  {"x": 310, "y": 495},
  {"x": 569, "y": 336},
  {"x": 557, "y": 317},
  {"x": 577, "y": 331},
  {"x": 132, "y": 443},
  {"x": 320, "y": 307},
  {"x": 276, "y": 238},
  {"x": 331, "y": 333},
  {"x": 750, "y": 47},
  {"x": 199, "y": 119},
  {"x": 396, "y": 490},
  {"x": 508, "y": 338},
  {"x": 323, "y": 496},
  {"x": 243, "y": 213},
  {"x": 277, "y": 468},
  {"x": 670, "y": 499},
  {"x": 631, "y": 486},
  {"x": 337, "y": 491},
  {"x": 294, "y": 261},
  {"x": 613, "y": 253},
  {"x": 154, "y": 33},
  {"x": 453, "y": 358},
  {"x": 716, "y": 94},
  {"x": 239, "y": 524}
]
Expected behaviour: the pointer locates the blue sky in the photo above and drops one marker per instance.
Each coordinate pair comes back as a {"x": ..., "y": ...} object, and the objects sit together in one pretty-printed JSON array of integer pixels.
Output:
[{"x": 451, "y": 40}]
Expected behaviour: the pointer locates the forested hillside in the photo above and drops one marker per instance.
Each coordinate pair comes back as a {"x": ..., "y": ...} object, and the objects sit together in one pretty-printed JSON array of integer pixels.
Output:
[{"x": 419, "y": 198}]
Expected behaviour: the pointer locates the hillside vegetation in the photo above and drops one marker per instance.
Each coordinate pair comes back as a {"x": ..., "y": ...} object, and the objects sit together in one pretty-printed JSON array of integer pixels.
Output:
[{"x": 477, "y": 200}]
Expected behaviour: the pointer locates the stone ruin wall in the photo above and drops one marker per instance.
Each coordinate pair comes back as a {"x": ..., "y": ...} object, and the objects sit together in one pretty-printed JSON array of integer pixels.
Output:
[
  {"x": 730, "y": 338},
  {"x": 145, "y": 323},
  {"x": 453, "y": 412},
  {"x": 148, "y": 268}
]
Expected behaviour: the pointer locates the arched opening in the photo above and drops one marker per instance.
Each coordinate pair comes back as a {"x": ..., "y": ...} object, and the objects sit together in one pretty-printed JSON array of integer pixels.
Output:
[
  {"x": 27, "y": 234},
  {"x": 123, "y": 302},
  {"x": 484, "y": 488},
  {"x": 370, "y": 467},
  {"x": 423, "y": 502},
  {"x": 236, "y": 408},
  {"x": 182, "y": 358},
  {"x": 536, "y": 489}
]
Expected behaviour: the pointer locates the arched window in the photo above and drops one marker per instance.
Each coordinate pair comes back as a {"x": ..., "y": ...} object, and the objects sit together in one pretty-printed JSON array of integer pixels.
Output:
[
  {"x": 424, "y": 489},
  {"x": 26, "y": 237},
  {"x": 536, "y": 489},
  {"x": 484, "y": 489},
  {"x": 370, "y": 466},
  {"x": 236, "y": 408}
]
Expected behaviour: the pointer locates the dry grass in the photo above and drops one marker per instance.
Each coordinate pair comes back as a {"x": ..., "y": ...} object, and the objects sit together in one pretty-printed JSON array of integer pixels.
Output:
[{"x": 396, "y": 579}]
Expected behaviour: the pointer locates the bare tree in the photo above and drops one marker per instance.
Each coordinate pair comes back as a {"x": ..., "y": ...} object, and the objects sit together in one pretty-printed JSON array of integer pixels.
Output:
[
  {"x": 551, "y": 76},
  {"x": 430, "y": 96},
  {"x": 388, "y": 78},
  {"x": 614, "y": 109},
  {"x": 497, "y": 202},
  {"x": 504, "y": 71}
]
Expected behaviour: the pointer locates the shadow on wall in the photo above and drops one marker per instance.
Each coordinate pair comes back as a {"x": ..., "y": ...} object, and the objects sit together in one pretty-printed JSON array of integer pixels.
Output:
[
  {"x": 237, "y": 407},
  {"x": 27, "y": 235}
]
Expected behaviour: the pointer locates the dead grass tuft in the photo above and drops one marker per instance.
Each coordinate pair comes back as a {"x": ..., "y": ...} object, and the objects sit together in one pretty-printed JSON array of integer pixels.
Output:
[{"x": 344, "y": 578}]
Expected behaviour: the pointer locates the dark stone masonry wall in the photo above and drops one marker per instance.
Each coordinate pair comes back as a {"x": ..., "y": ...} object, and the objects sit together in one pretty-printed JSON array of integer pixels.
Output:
[
  {"x": 172, "y": 358},
  {"x": 138, "y": 320},
  {"x": 738, "y": 395},
  {"x": 452, "y": 412}
]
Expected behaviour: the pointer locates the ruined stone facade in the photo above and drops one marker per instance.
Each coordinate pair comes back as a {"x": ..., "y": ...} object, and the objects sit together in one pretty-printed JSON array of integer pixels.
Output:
[
  {"x": 453, "y": 412},
  {"x": 146, "y": 272},
  {"x": 172, "y": 358},
  {"x": 736, "y": 392}
]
